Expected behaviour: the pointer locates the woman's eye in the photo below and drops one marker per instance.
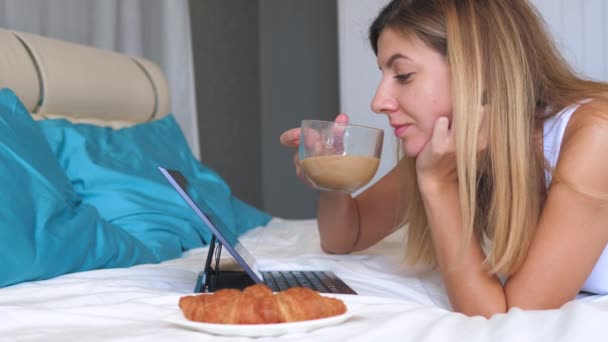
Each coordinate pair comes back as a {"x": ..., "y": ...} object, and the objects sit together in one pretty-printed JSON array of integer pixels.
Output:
[{"x": 402, "y": 78}]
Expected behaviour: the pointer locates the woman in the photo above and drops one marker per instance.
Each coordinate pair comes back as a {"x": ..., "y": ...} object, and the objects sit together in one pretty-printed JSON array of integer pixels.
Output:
[{"x": 484, "y": 105}]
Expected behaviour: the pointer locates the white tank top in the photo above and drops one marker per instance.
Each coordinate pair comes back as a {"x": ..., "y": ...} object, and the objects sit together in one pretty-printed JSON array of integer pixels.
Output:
[{"x": 553, "y": 133}]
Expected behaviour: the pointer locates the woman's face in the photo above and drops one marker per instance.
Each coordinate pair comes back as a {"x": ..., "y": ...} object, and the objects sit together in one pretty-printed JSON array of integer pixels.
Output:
[{"x": 414, "y": 90}]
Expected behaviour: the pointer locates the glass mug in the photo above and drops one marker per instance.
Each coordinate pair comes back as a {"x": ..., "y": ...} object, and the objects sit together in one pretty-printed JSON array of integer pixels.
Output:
[{"x": 339, "y": 157}]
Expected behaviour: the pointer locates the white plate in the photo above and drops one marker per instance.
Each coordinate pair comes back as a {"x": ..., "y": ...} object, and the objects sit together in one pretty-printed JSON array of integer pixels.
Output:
[{"x": 258, "y": 330}]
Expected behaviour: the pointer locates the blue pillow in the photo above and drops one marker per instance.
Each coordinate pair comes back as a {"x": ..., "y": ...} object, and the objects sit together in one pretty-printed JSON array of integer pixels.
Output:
[
  {"x": 116, "y": 171},
  {"x": 45, "y": 229}
]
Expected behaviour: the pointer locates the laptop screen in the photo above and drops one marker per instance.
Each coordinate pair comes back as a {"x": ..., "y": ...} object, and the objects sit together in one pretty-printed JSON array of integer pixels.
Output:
[{"x": 216, "y": 225}]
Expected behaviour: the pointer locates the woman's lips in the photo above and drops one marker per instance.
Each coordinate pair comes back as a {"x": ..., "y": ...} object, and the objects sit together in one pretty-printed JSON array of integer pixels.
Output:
[{"x": 400, "y": 130}]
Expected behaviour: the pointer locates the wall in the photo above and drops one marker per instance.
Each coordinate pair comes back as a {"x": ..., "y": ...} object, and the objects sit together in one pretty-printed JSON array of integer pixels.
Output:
[
  {"x": 581, "y": 32},
  {"x": 226, "y": 59},
  {"x": 578, "y": 26},
  {"x": 359, "y": 74},
  {"x": 261, "y": 67},
  {"x": 298, "y": 55}
]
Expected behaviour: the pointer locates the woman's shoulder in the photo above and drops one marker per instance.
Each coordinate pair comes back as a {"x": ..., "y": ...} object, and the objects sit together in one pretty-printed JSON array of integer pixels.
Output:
[
  {"x": 590, "y": 113},
  {"x": 585, "y": 139},
  {"x": 591, "y": 117}
]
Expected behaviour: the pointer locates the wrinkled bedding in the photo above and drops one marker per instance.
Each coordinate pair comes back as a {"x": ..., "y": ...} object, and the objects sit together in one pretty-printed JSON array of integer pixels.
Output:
[{"x": 394, "y": 302}]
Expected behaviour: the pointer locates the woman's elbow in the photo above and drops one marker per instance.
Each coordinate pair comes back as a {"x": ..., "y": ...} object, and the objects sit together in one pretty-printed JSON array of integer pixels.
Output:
[
  {"x": 486, "y": 311},
  {"x": 335, "y": 249}
]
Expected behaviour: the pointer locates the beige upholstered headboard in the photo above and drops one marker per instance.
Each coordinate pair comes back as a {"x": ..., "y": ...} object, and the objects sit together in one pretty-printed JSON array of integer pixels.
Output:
[{"x": 56, "y": 78}]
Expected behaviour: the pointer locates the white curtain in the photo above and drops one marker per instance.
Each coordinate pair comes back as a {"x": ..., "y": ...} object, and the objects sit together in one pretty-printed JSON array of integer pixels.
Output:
[{"x": 158, "y": 30}]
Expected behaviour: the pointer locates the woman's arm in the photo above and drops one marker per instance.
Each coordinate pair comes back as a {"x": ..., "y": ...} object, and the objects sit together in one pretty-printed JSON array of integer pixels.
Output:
[
  {"x": 571, "y": 234},
  {"x": 348, "y": 224},
  {"x": 573, "y": 227},
  {"x": 469, "y": 286}
]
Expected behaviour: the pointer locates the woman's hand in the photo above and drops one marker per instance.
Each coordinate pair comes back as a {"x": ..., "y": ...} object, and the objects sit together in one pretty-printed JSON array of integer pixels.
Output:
[
  {"x": 436, "y": 163},
  {"x": 291, "y": 138}
]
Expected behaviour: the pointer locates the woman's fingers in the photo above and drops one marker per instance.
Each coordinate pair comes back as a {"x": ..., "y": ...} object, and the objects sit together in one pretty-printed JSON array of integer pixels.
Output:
[
  {"x": 312, "y": 139},
  {"x": 338, "y": 131},
  {"x": 342, "y": 118},
  {"x": 291, "y": 138},
  {"x": 296, "y": 162},
  {"x": 443, "y": 139}
]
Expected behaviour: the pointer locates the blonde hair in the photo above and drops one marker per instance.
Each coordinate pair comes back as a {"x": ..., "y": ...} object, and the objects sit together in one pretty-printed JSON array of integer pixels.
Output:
[{"x": 501, "y": 56}]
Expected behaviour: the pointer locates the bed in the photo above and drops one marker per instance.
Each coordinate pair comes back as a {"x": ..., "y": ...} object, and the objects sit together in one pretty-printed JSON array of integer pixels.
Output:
[{"x": 56, "y": 79}]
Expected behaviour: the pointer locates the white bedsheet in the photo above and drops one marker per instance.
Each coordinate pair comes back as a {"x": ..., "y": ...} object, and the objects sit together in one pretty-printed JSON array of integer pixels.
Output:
[{"x": 393, "y": 303}]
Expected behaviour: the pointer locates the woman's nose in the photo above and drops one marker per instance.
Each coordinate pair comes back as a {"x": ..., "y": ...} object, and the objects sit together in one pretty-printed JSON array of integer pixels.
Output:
[{"x": 383, "y": 102}]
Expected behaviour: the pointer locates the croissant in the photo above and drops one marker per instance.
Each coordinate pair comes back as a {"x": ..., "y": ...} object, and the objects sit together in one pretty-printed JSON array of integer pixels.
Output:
[{"x": 257, "y": 304}]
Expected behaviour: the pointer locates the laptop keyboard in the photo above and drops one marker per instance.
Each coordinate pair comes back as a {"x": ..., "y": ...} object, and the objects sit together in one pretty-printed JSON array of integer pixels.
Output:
[{"x": 321, "y": 281}]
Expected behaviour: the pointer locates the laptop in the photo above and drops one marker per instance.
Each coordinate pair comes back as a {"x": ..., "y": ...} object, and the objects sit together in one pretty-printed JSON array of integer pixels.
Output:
[{"x": 211, "y": 278}]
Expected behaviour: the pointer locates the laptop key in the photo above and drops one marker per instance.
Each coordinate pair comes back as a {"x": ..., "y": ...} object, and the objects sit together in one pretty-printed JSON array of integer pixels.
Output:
[
  {"x": 282, "y": 285},
  {"x": 320, "y": 281},
  {"x": 301, "y": 278},
  {"x": 269, "y": 280},
  {"x": 279, "y": 280},
  {"x": 291, "y": 280},
  {"x": 328, "y": 282},
  {"x": 316, "y": 282},
  {"x": 341, "y": 286}
]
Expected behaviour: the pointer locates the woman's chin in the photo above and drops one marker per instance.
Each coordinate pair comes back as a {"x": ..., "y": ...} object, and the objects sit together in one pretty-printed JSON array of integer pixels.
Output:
[{"x": 411, "y": 151}]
